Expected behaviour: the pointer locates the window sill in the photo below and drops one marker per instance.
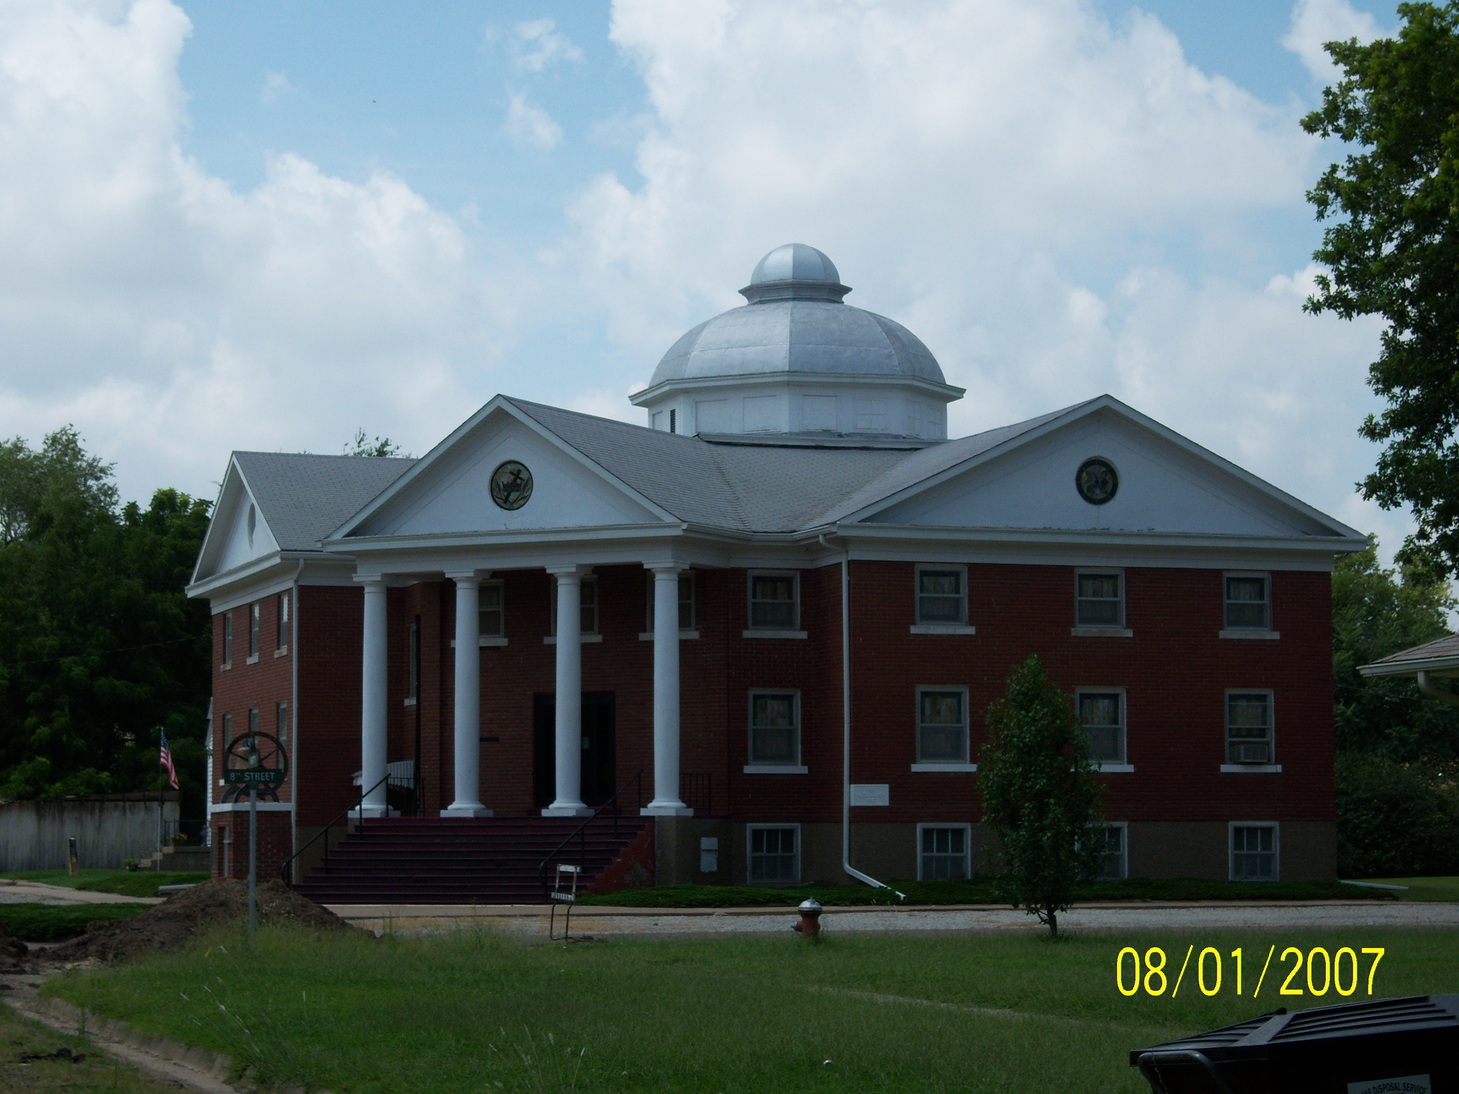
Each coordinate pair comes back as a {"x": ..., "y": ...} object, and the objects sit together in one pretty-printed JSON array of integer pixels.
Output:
[
  {"x": 770, "y": 632},
  {"x": 1251, "y": 769},
  {"x": 776, "y": 769},
  {"x": 485, "y": 642},
  {"x": 252, "y": 660},
  {"x": 1113, "y": 768},
  {"x": 225, "y": 666},
  {"x": 583, "y": 639},
  {"x": 1101, "y": 632},
  {"x": 945, "y": 767},
  {"x": 648, "y": 636},
  {"x": 282, "y": 651},
  {"x": 1249, "y": 632},
  {"x": 942, "y": 628},
  {"x": 410, "y": 701}
]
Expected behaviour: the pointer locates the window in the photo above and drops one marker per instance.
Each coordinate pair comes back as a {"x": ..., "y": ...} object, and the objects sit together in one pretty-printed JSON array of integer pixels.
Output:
[
  {"x": 412, "y": 687},
  {"x": 1248, "y": 602},
  {"x": 491, "y": 617},
  {"x": 1113, "y": 864},
  {"x": 227, "y": 639},
  {"x": 227, "y": 730},
  {"x": 587, "y": 605},
  {"x": 253, "y": 722},
  {"x": 775, "y": 728},
  {"x": 774, "y": 853},
  {"x": 282, "y": 642},
  {"x": 1254, "y": 850},
  {"x": 282, "y": 733},
  {"x": 254, "y": 619},
  {"x": 774, "y": 602},
  {"x": 942, "y": 852},
  {"x": 1249, "y": 727},
  {"x": 942, "y": 725},
  {"x": 942, "y": 595},
  {"x": 673, "y": 421},
  {"x": 686, "y": 601},
  {"x": 1099, "y": 599},
  {"x": 1102, "y": 713}
]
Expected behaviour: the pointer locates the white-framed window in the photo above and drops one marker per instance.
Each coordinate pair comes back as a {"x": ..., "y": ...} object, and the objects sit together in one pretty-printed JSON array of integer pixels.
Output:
[
  {"x": 255, "y": 619},
  {"x": 1102, "y": 713},
  {"x": 774, "y": 601},
  {"x": 282, "y": 723},
  {"x": 1255, "y": 851},
  {"x": 1112, "y": 840},
  {"x": 1247, "y": 601},
  {"x": 227, "y": 639},
  {"x": 775, "y": 729},
  {"x": 1249, "y": 737},
  {"x": 772, "y": 853},
  {"x": 253, "y": 721},
  {"x": 491, "y": 611},
  {"x": 227, "y": 730},
  {"x": 1099, "y": 598},
  {"x": 686, "y": 601},
  {"x": 942, "y": 595},
  {"x": 281, "y": 642},
  {"x": 942, "y": 725},
  {"x": 587, "y": 605},
  {"x": 944, "y": 852}
]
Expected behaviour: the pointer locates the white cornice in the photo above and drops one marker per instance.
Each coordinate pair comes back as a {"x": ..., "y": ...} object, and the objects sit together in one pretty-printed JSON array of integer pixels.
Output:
[{"x": 947, "y": 392}]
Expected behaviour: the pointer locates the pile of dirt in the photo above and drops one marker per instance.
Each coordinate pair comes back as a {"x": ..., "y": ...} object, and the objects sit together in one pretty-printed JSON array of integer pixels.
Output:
[
  {"x": 210, "y": 904},
  {"x": 12, "y": 949}
]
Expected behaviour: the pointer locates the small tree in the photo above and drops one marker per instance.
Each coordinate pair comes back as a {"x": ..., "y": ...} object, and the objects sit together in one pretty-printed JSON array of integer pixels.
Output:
[{"x": 1039, "y": 797}]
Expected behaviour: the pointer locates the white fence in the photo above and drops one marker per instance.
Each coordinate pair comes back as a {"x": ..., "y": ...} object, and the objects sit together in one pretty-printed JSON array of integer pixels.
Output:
[{"x": 108, "y": 831}]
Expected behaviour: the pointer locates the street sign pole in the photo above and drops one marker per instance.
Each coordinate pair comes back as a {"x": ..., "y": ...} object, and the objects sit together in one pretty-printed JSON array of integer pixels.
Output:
[{"x": 252, "y": 861}]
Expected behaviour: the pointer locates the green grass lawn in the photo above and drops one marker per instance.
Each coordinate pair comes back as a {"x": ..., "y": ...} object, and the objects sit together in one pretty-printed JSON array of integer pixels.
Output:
[
  {"x": 37, "y": 1060},
  {"x": 57, "y": 922},
  {"x": 121, "y": 882},
  {"x": 1003, "y": 1012}
]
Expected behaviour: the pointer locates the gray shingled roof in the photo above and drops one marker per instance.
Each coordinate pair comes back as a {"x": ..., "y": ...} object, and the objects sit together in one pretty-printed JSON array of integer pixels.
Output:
[
  {"x": 1440, "y": 656},
  {"x": 755, "y": 487},
  {"x": 304, "y": 497}
]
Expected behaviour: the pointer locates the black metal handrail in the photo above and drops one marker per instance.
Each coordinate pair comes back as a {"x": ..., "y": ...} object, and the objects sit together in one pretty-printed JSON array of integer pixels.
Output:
[
  {"x": 323, "y": 833},
  {"x": 580, "y": 833}
]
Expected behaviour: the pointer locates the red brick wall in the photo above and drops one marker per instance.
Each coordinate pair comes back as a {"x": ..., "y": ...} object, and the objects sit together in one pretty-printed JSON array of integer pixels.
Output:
[{"x": 243, "y": 686}]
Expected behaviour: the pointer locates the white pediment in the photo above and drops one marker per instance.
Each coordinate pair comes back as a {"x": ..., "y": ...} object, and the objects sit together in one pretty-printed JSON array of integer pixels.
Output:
[
  {"x": 1166, "y": 485},
  {"x": 238, "y": 533},
  {"x": 449, "y": 491}
]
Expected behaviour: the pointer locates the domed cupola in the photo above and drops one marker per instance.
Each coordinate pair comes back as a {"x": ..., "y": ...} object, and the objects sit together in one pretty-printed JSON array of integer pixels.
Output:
[{"x": 796, "y": 361}]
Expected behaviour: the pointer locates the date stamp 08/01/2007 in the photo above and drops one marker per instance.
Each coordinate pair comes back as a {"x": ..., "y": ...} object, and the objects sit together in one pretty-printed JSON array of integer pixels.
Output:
[{"x": 1311, "y": 973}]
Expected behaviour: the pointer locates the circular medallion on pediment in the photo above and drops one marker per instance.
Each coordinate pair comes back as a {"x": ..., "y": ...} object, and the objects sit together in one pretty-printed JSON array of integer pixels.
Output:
[
  {"x": 1096, "y": 480},
  {"x": 511, "y": 485}
]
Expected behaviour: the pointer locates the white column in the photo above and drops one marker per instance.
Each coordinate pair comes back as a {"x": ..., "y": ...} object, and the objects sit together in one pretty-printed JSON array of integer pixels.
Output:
[
  {"x": 666, "y": 802},
  {"x": 373, "y": 697},
  {"x": 569, "y": 699},
  {"x": 467, "y": 723}
]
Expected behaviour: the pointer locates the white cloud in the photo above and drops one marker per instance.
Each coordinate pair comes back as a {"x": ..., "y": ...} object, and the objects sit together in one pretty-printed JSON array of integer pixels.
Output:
[
  {"x": 1316, "y": 22},
  {"x": 538, "y": 44},
  {"x": 172, "y": 317},
  {"x": 276, "y": 88},
  {"x": 531, "y": 125}
]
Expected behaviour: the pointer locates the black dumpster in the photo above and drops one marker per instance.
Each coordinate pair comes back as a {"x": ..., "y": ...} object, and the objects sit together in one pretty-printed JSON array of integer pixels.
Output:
[{"x": 1386, "y": 1046}]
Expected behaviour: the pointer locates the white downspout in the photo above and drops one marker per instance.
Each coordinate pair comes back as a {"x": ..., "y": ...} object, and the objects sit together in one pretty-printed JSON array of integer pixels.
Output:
[
  {"x": 846, "y": 726},
  {"x": 1433, "y": 692},
  {"x": 294, "y": 707}
]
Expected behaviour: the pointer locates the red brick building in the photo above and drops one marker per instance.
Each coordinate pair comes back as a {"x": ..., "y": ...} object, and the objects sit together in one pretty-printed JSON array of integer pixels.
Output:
[{"x": 782, "y": 610}]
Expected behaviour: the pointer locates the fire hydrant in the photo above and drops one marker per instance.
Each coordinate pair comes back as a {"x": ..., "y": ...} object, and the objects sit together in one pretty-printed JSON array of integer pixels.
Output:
[{"x": 809, "y": 925}]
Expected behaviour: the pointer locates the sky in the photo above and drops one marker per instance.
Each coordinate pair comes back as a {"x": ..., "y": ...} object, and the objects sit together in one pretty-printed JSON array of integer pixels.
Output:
[{"x": 267, "y": 224}]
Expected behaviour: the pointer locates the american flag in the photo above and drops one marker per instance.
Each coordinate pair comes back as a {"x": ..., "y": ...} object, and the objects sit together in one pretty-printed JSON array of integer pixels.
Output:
[{"x": 165, "y": 760}]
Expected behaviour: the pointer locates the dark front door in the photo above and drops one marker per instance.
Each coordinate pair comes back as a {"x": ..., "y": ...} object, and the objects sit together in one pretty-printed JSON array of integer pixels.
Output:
[{"x": 599, "y": 770}]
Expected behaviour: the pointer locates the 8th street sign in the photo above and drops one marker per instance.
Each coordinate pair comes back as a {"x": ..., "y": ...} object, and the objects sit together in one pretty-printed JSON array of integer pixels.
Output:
[{"x": 254, "y": 776}]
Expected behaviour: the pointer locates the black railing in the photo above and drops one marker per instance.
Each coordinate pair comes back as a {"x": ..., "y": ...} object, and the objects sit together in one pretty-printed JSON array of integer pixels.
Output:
[
  {"x": 323, "y": 833},
  {"x": 580, "y": 833},
  {"x": 697, "y": 790}
]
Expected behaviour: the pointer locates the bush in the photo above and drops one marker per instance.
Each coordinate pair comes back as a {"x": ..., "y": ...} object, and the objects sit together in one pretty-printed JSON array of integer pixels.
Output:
[{"x": 1394, "y": 820}]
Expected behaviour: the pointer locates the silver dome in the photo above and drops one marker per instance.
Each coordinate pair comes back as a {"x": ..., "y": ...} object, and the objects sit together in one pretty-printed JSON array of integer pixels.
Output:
[{"x": 795, "y": 323}]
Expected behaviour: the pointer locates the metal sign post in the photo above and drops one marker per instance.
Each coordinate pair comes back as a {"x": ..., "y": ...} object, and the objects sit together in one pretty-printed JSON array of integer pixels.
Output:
[{"x": 256, "y": 761}]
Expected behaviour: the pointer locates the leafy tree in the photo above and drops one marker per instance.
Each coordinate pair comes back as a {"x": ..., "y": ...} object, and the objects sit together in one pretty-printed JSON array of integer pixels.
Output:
[
  {"x": 363, "y": 445},
  {"x": 1393, "y": 251},
  {"x": 99, "y": 647},
  {"x": 1394, "y": 820},
  {"x": 1375, "y": 613},
  {"x": 1039, "y": 796}
]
